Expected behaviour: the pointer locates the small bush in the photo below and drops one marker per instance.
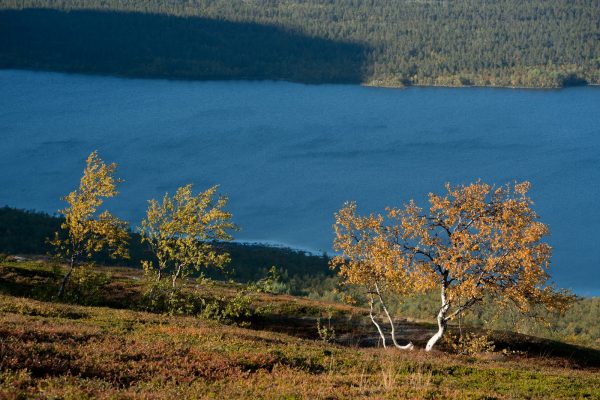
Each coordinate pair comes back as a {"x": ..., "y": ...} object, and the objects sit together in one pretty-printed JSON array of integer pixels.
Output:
[
  {"x": 86, "y": 286},
  {"x": 469, "y": 344},
  {"x": 235, "y": 310},
  {"x": 326, "y": 332},
  {"x": 161, "y": 297},
  {"x": 272, "y": 283}
]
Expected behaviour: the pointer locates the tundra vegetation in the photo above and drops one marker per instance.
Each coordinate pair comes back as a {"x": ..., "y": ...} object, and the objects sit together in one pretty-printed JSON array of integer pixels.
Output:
[{"x": 56, "y": 350}]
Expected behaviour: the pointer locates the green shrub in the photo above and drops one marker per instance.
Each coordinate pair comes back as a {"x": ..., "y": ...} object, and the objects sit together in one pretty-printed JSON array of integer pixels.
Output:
[
  {"x": 469, "y": 344},
  {"x": 234, "y": 310},
  {"x": 326, "y": 332},
  {"x": 272, "y": 283},
  {"x": 161, "y": 297},
  {"x": 86, "y": 286}
]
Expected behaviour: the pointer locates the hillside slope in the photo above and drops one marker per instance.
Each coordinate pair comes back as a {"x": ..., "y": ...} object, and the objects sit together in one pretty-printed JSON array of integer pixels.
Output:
[
  {"x": 55, "y": 350},
  {"x": 51, "y": 350}
]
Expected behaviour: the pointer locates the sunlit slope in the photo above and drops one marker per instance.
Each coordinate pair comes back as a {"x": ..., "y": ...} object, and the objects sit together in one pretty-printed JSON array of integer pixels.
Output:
[
  {"x": 53, "y": 350},
  {"x": 69, "y": 351}
]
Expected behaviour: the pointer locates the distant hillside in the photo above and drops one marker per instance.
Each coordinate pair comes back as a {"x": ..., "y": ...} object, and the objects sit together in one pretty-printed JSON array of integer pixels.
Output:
[{"x": 537, "y": 43}]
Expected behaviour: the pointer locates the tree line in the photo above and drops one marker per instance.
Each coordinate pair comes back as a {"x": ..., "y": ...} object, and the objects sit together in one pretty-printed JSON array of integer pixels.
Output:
[{"x": 462, "y": 42}]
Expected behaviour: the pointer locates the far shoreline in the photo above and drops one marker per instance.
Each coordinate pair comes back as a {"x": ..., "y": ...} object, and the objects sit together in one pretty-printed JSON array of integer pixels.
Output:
[{"x": 308, "y": 83}]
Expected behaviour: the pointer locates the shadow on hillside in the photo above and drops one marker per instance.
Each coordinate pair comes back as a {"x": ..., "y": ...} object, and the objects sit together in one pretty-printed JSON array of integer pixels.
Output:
[
  {"x": 156, "y": 46},
  {"x": 567, "y": 355},
  {"x": 351, "y": 330},
  {"x": 359, "y": 332}
]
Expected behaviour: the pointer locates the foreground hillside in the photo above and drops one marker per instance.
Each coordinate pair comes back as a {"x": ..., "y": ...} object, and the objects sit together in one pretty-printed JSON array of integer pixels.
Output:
[
  {"x": 391, "y": 43},
  {"x": 54, "y": 350}
]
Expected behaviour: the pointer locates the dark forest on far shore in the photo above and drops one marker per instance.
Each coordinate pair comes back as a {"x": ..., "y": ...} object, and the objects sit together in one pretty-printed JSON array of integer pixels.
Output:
[{"x": 396, "y": 43}]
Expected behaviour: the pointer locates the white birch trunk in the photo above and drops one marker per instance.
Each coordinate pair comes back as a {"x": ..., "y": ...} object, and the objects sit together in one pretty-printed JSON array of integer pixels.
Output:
[
  {"x": 441, "y": 320},
  {"x": 409, "y": 346},
  {"x": 376, "y": 324},
  {"x": 177, "y": 272}
]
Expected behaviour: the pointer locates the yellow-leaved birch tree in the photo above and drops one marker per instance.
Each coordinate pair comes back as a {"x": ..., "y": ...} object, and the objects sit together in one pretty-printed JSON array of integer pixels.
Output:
[
  {"x": 371, "y": 259},
  {"x": 85, "y": 232},
  {"x": 181, "y": 232},
  {"x": 474, "y": 239}
]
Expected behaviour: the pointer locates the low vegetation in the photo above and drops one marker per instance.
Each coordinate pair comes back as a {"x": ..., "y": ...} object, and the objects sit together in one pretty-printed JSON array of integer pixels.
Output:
[{"x": 59, "y": 350}]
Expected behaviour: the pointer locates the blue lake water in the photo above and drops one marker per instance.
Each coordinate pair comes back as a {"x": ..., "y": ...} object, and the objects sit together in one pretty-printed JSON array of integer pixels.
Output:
[{"x": 289, "y": 155}]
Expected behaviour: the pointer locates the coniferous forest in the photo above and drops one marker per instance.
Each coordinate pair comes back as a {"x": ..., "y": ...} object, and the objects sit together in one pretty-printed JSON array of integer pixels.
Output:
[{"x": 383, "y": 43}]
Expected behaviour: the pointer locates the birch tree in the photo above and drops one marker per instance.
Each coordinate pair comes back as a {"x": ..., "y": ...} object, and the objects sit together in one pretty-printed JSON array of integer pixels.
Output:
[
  {"x": 85, "y": 232},
  {"x": 370, "y": 259},
  {"x": 181, "y": 231},
  {"x": 474, "y": 239}
]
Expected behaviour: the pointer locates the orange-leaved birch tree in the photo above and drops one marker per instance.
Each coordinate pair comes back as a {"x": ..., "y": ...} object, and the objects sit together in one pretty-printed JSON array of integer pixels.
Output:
[
  {"x": 475, "y": 239},
  {"x": 85, "y": 232},
  {"x": 181, "y": 231},
  {"x": 370, "y": 259}
]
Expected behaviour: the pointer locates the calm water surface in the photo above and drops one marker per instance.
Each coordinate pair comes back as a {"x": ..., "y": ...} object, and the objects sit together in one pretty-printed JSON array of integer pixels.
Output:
[{"x": 289, "y": 155}]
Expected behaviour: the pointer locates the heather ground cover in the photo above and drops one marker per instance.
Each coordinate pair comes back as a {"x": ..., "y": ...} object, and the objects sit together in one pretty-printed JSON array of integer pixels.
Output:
[{"x": 57, "y": 350}]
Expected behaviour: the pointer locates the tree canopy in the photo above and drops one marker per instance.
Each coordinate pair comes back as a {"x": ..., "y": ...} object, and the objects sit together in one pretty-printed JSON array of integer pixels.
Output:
[
  {"x": 474, "y": 240},
  {"x": 181, "y": 232},
  {"x": 84, "y": 231}
]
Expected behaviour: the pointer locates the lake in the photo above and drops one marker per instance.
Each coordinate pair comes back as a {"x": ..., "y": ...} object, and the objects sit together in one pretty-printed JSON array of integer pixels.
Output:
[{"x": 289, "y": 155}]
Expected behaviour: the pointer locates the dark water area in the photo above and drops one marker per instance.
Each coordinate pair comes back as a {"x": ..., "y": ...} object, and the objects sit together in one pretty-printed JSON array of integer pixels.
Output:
[{"x": 289, "y": 155}]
